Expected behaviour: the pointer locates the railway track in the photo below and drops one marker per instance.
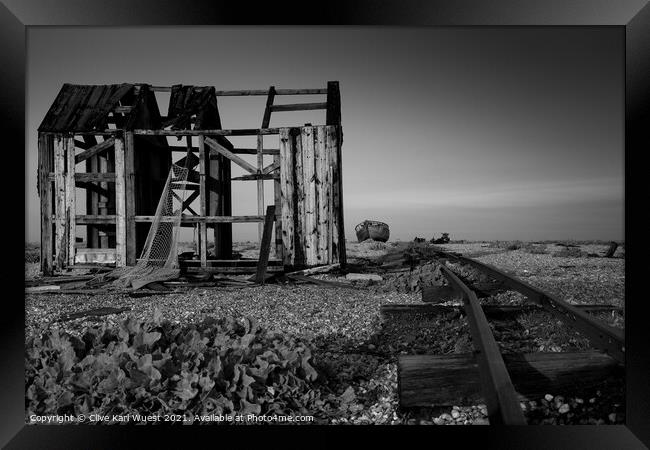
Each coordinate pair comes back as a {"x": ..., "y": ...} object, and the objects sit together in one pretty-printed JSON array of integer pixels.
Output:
[{"x": 496, "y": 385}]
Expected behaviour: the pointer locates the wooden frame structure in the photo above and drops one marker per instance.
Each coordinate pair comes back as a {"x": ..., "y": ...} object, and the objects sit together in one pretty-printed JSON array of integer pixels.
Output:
[{"x": 105, "y": 149}]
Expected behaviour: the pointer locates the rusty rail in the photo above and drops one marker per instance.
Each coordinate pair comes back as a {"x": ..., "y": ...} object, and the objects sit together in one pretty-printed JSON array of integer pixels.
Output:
[
  {"x": 500, "y": 395},
  {"x": 606, "y": 338}
]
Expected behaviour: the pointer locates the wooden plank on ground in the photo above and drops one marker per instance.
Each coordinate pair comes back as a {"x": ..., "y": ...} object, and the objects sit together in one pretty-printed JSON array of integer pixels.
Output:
[
  {"x": 426, "y": 380},
  {"x": 265, "y": 247}
]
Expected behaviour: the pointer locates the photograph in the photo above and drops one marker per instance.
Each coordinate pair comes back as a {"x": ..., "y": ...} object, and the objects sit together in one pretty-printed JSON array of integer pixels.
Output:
[
  {"x": 363, "y": 226},
  {"x": 409, "y": 216}
]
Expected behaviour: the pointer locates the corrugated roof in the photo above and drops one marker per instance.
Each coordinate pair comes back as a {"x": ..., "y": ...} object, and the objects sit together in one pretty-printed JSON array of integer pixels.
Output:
[{"x": 83, "y": 107}]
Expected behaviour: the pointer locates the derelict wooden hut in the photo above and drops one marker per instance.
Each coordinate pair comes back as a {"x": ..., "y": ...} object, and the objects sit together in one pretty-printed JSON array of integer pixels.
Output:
[{"x": 104, "y": 157}]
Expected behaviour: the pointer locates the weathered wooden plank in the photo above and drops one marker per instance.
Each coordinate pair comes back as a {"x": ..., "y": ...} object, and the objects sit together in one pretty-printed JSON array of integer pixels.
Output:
[
  {"x": 341, "y": 228},
  {"x": 271, "y": 167},
  {"x": 120, "y": 204},
  {"x": 335, "y": 226},
  {"x": 265, "y": 244},
  {"x": 203, "y": 229},
  {"x": 333, "y": 116},
  {"x": 491, "y": 311},
  {"x": 102, "y": 177},
  {"x": 60, "y": 243},
  {"x": 267, "y": 110},
  {"x": 218, "y": 148},
  {"x": 195, "y": 132},
  {"x": 204, "y": 219},
  {"x": 95, "y": 150},
  {"x": 323, "y": 196},
  {"x": 70, "y": 200},
  {"x": 45, "y": 160},
  {"x": 309, "y": 181},
  {"x": 299, "y": 199},
  {"x": 287, "y": 196},
  {"x": 130, "y": 197},
  {"x": 253, "y": 151},
  {"x": 247, "y": 92},
  {"x": 93, "y": 219},
  {"x": 270, "y": 176},
  {"x": 260, "y": 184},
  {"x": 277, "y": 201},
  {"x": 426, "y": 380},
  {"x": 298, "y": 107}
]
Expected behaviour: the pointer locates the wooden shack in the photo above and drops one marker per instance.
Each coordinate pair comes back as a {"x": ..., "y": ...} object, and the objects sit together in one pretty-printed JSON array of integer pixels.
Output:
[{"x": 104, "y": 157}]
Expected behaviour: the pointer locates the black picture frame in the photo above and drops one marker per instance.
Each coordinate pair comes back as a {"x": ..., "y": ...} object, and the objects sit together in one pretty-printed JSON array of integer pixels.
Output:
[{"x": 633, "y": 16}]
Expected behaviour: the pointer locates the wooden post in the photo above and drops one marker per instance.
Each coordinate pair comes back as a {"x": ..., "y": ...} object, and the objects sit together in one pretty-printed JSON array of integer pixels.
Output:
[
  {"x": 277, "y": 201},
  {"x": 120, "y": 203},
  {"x": 60, "y": 247},
  {"x": 203, "y": 231},
  {"x": 299, "y": 197},
  {"x": 341, "y": 228},
  {"x": 129, "y": 191},
  {"x": 323, "y": 196},
  {"x": 265, "y": 245},
  {"x": 70, "y": 199},
  {"x": 260, "y": 184},
  {"x": 335, "y": 216},
  {"x": 287, "y": 196},
  {"x": 309, "y": 182},
  {"x": 45, "y": 160},
  {"x": 92, "y": 197}
]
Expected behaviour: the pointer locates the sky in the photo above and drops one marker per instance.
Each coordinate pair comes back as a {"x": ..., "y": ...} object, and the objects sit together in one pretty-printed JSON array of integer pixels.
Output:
[{"x": 484, "y": 133}]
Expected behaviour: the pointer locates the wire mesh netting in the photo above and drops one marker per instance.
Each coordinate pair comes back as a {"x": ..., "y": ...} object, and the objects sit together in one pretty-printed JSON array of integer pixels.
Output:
[{"x": 159, "y": 258}]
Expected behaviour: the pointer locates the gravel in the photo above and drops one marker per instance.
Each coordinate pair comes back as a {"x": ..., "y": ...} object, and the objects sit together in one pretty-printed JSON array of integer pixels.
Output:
[{"x": 356, "y": 350}]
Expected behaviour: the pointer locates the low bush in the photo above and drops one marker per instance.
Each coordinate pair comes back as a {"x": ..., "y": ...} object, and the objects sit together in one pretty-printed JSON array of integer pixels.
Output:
[{"x": 156, "y": 368}]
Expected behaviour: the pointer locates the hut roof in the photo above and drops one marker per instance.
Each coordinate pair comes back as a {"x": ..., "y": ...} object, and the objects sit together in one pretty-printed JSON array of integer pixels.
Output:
[{"x": 83, "y": 107}]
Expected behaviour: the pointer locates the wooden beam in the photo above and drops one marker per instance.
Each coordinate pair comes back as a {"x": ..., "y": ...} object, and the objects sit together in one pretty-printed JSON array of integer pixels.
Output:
[
  {"x": 195, "y": 132},
  {"x": 257, "y": 176},
  {"x": 82, "y": 145},
  {"x": 309, "y": 183},
  {"x": 91, "y": 186},
  {"x": 277, "y": 201},
  {"x": 60, "y": 247},
  {"x": 260, "y": 184},
  {"x": 203, "y": 229},
  {"x": 333, "y": 116},
  {"x": 120, "y": 204},
  {"x": 265, "y": 245},
  {"x": 298, "y": 107},
  {"x": 427, "y": 380},
  {"x": 248, "y": 92},
  {"x": 204, "y": 219},
  {"x": 45, "y": 161},
  {"x": 130, "y": 199},
  {"x": 252, "y": 151},
  {"x": 271, "y": 167},
  {"x": 286, "y": 196},
  {"x": 86, "y": 219},
  {"x": 188, "y": 201},
  {"x": 70, "y": 200},
  {"x": 95, "y": 150},
  {"x": 103, "y": 177},
  {"x": 491, "y": 311},
  {"x": 218, "y": 148},
  {"x": 267, "y": 110}
]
